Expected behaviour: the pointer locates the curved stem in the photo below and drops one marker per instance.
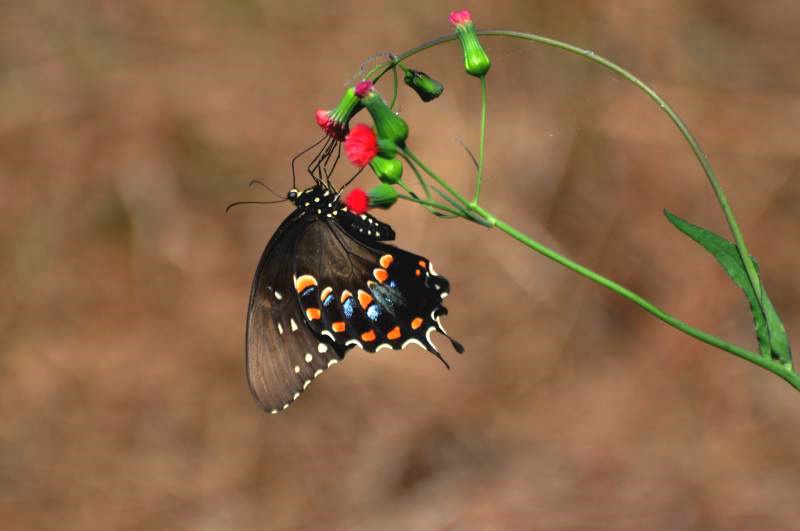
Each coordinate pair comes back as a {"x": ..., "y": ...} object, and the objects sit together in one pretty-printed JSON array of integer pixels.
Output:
[{"x": 679, "y": 123}]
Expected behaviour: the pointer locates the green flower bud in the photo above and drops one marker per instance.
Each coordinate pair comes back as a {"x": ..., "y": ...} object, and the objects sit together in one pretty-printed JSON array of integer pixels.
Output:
[
  {"x": 388, "y": 125},
  {"x": 425, "y": 86},
  {"x": 388, "y": 170},
  {"x": 476, "y": 62},
  {"x": 382, "y": 196}
]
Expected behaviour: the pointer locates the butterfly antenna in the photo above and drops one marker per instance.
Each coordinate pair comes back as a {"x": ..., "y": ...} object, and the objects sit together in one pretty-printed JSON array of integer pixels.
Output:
[
  {"x": 306, "y": 150},
  {"x": 237, "y": 203},
  {"x": 273, "y": 192}
]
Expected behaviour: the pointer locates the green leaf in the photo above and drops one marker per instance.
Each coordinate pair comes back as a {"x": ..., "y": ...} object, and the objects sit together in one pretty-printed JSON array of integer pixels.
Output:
[{"x": 772, "y": 338}]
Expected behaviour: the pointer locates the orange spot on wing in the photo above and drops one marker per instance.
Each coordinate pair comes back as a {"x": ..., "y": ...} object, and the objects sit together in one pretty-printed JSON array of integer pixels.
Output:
[
  {"x": 327, "y": 291},
  {"x": 418, "y": 272},
  {"x": 313, "y": 314},
  {"x": 364, "y": 298},
  {"x": 304, "y": 281},
  {"x": 368, "y": 336},
  {"x": 394, "y": 333},
  {"x": 380, "y": 274},
  {"x": 338, "y": 326},
  {"x": 386, "y": 260},
  {"x": 345, "y": 295},
  {"x": 423, "y": 264},
  {"x": 416, "y": 323}
]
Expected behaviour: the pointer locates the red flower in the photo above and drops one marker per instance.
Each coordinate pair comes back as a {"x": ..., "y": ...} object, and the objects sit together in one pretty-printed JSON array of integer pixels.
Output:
[
  {"x": 363, "y": 87},
  {"x": 357, "y": 201},
  {"x": 460, "y": 17},
  {"x": 361, "y": 145}
]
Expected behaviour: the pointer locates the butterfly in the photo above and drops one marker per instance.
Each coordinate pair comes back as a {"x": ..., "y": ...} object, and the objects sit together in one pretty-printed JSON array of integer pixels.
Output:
[{"x": 326, "y": 283}]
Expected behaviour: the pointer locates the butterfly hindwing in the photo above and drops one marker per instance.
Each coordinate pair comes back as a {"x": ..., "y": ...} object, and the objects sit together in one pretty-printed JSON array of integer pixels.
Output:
[{"x": 364, "y": 293}]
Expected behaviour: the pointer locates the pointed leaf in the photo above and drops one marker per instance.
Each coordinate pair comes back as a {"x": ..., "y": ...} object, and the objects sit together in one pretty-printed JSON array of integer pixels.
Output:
[{"x": 772, "y": 339}]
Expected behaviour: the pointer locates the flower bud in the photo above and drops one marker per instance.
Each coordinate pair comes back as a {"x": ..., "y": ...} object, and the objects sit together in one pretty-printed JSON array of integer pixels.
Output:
[
  {"x": 382, "y": 196},
  {"x": 388, "y": 125},
  {"x": 476, "y": 62},
  {"x": 425, "y": 86},
  {"x": 334, "y": 122},
  {"x": 388, "y": 170}
]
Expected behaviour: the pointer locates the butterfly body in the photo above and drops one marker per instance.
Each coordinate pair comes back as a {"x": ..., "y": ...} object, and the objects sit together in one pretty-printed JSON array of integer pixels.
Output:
[{"x": 325, "y": 283}]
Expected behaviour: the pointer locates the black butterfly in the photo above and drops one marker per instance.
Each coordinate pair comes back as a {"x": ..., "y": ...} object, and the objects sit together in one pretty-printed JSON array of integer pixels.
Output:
[{"x": 325, "y": 284}]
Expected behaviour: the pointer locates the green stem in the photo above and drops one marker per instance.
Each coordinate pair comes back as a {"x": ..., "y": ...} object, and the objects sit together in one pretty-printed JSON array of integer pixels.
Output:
[
  {"x": 407, "y": 153},
  {"x": 394, "y": 91},
  {"x": 752, "y": 357},
  {"x": 429, "y": 204},
  {"x": 684, "y": 130},
  {"x": 479, "y": 178}
]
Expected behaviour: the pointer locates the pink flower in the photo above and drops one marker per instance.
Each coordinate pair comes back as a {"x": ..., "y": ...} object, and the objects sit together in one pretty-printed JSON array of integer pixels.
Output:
[
  {"x": 361, "y": 145},
  {"x": 357, "y": 201},
  {"x": 332, "y": 128},
  {"x": 363, "y": 87},
  {"x": 323, "y": 118},
  {"x": 460, "y": 17}
]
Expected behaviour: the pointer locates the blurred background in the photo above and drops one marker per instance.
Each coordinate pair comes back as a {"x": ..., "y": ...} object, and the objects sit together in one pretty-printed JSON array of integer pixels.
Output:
[{"x": 127, "y": 127}]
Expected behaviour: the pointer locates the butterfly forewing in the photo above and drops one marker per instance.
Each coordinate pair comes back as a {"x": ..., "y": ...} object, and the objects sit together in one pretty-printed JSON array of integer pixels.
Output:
[{"x": 283, "y": 353}]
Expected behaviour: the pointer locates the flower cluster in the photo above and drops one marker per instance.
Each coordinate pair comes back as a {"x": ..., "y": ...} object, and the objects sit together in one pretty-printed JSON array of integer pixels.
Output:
[{"x": 377, "y": 146}]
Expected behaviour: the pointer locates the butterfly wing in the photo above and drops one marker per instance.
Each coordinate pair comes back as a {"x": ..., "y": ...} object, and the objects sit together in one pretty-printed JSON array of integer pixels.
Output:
[
  {"x": 283, "y": 353},
  {"x": 357, "y": 291}
]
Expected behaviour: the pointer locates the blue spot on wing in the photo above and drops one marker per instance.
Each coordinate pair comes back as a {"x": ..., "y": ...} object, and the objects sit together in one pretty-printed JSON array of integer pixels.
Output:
[
  {"x": 348, "y": 308},
  {"x": 374, "y": 312}
]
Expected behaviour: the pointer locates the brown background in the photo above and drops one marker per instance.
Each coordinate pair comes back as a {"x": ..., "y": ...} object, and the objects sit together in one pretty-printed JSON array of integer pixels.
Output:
[{"x": 127, "y": 127}]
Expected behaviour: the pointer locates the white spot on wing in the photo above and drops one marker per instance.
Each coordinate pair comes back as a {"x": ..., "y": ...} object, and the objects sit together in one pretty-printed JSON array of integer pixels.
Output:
[
  {"x": 293, "y": 325},
  {"x": 295, "y": 396},
  {"x": 332, "y": 362},
  {"x": 439, "y": 322},
  {"x": 428, "y": 335},
  {"x": 383, "y": 345},
  {"x": 413, "y": 341},
  {"x": 306, "y": 383},
  {"x": 317, "y": 373},
  {"x": 297, "y": 369},
  {"x": 309, "y": 357},
  {"x": 278, "y": 295},
  {"x": 274, "y": 411},
  {"x": 327, "y": 333},
  {"x": 432, "y": 270},
  {"x": 285, "y": 406},
  {"x": 355, "y": 342},
  {"x": 322, "y": 347},
  {"x": 280, "y": 328}
]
